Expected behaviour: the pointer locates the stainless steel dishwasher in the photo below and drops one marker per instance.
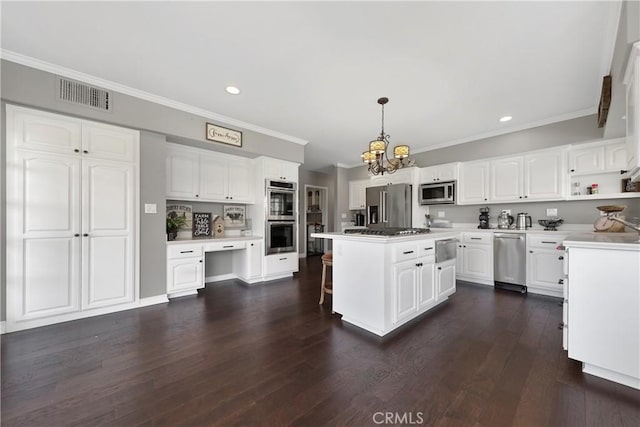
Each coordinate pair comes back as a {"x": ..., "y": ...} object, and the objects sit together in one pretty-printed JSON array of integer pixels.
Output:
[{"x": 510, "y": 261}]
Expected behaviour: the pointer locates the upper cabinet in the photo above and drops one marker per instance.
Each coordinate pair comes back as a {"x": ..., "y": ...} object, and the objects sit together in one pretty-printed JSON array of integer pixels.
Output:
[
  {"x": 535, "y": 176},
  {"x": 632, "y": 81},
  {"x": 598, "y": 157},
  {"x": 357, "y": 194},
  {"x": 42, "y": 131},
  {"x": 400, "y": 176},
  {"x": 473, "y": 183},
  {"x": 280, "y": 169},
  {"x": 194, "y": 174},
  {"x": 446, "y": 172}
]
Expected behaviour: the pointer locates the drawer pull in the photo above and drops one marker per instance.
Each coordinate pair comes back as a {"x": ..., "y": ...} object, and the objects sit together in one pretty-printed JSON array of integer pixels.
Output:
[
  {"x": 228, "y": 246},
  {"x": 560, "y": 282},
  {"x": 283, "y": 259},
  {"x": 428, "y": 249},
  {"x": 476, "y": 238},
  {"x": 560, "y": 258},
  {"x": 186, "y": 252},
  {"x": 407, "y": 252},
  {"x": 551, "y": 243}
]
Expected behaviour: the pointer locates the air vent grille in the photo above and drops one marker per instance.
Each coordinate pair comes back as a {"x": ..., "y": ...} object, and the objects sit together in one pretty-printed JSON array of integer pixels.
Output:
[{"x": 83, "y": 94}]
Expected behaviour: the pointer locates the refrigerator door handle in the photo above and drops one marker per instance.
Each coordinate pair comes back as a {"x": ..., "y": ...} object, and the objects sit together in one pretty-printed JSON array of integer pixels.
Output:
[{"x": 384, "y": 207}]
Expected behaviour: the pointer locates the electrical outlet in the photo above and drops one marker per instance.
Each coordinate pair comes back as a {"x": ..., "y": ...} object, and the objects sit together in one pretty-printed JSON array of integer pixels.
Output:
[
  {"x": 552, "y": 212},
  {"x": 344, "y": 215},
  {"x": 150, "y": 208},
  {"x": 440, "y": 214}
]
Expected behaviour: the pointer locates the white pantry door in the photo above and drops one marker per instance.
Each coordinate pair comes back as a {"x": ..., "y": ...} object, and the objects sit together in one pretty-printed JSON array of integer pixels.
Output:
[
  {"x": 43, "y": 271},
  {"x": 108, "y": 217}
]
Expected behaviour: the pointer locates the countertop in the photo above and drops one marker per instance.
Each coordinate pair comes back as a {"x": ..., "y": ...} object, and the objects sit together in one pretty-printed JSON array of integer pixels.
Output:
[
  {"x": 387, "y": 239},
  {"x": 619, "y": 241},
  {"x": 217, "y": 239}
]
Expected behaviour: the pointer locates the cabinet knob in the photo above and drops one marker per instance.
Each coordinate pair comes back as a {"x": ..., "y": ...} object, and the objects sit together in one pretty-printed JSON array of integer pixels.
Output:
[
  {"x": 200, "y": 260},
  {"x": 76, "y": 151},
  {"x": 572, "y": 170},
  {"x": 561, "y": 325},
  {"x": 485, "y": 199},
  {"x": 439, "y": 268},
  {"x": 85, "y": 151},
  {"x": 231, "y": 197},
  {"x": 560, "y": 258},
  {"x": 521, "y": 197},
  {"x": 526, "y": 197},
  {"x": 464, "y": 246},
  {"x": 530, "y": 252},
  {"x": 76, "y": 235},
  {"x": 197, "y": 195},
  {"x": 86, "y": 234},
  {"x": 226, "y": 197},
  {"x": 252, "y": 244},
  {"x": 560, "y": 282}
]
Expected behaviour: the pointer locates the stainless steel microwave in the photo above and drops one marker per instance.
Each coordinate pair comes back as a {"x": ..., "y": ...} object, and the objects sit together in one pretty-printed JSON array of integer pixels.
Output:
[{"x": 438, "y": 193}]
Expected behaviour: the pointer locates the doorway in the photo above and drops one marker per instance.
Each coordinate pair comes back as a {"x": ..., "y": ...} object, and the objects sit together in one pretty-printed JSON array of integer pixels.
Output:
[{"x": 316, "y": 216}]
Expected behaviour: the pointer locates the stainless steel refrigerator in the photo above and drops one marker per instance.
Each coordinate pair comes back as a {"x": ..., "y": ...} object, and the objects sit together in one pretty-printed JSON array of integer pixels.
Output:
[{"x": 389, "y": 206}]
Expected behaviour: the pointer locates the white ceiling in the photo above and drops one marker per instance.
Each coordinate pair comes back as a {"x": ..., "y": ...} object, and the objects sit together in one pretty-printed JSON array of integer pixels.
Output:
[{"x": 314, "y": 70}]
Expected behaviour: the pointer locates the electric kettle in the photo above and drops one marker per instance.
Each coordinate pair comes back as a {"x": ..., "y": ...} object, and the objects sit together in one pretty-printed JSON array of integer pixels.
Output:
[
  {"x": 523, "y": 221},
  {"x": 504, "y": 220}
]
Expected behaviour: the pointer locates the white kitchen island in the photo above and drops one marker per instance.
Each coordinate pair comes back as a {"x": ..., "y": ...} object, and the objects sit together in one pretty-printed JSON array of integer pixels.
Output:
[
  {"x": 381, "y": 283},
  {"x": 601, "y": 316}
]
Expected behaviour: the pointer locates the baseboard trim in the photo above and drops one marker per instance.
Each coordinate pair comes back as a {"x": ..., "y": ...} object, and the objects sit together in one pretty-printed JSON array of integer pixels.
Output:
[
  {"x": 220, "y": 278},
  {"x": 3, "y": 327},
  {"x": 158, "y": 299}
]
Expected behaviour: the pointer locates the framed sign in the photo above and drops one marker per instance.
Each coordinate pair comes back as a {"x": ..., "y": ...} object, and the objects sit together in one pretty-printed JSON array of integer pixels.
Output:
[
  {"x": 224, "y": 135},
  {"x": 234, "y": 216},
  {"x": 201, "y": 224}
]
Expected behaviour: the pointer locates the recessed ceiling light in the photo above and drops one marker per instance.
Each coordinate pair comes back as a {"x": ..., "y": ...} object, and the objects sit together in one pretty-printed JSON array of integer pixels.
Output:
[
  {"x": 233, "y": 90},
  {"x": 505, "y": 118}
]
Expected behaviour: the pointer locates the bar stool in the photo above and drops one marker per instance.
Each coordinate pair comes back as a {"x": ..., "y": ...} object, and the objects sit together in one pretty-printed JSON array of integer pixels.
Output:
[{"x": 327, "y": 260}]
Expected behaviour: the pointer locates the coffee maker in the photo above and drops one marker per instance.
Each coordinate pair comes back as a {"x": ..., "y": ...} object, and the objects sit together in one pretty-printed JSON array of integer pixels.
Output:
[{"x": 484, "y": 218}]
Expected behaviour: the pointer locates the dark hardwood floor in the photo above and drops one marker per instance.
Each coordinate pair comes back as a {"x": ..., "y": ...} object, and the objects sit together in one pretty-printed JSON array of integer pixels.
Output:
[{"x": 269, "y": 355}]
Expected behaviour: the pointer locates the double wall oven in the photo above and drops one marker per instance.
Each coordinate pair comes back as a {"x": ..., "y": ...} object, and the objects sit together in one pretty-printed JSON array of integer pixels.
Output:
[{"x": 282, "y": 222}]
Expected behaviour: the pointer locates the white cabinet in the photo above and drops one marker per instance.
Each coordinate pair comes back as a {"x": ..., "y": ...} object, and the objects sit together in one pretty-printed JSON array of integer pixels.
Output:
[
  {"x": 473, "y": 183},
  {"x": 535, "y": 176},
  {"x": 603, "y": 302},
  {"x": 445, "y": 172},
  {"x": 248, "y": 264},
  {"x": 475, "y": 258},
  {"x": 357, "y": 194},
  {"x": 506, "y": 179},
  {"x": 632, "y": 141},
  {"x": 427, "y": 290},
  {"x": 446, "y": 279},
  {"x": 401, "y": 176},
  {"x": 544, "y": 264},
  {"x": 280, "y": 265},
  {"x": 280, "y": 170},
  {"x": 598, "y": 157},
  {"x": 194, "y": 174},
  {"x": 184, "y": 274},
  {"x": 71, "y": 218},
  {"x": 405, "y": 291}
]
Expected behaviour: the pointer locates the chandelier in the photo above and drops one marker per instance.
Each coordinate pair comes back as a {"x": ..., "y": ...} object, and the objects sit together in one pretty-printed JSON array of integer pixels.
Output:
[{"x": 376, "y": 156}]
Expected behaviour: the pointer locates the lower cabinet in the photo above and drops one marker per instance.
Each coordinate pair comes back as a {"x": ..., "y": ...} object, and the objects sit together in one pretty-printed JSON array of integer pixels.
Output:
[
  {"x": 185, "y": 274},
  {"x": 475, "y": 258},
  {"x": 445, "y": 278},
  {"x": 405, "y": 290},
  {"x": 280, "y": 265},
  {"x": 544, "y": 264}
]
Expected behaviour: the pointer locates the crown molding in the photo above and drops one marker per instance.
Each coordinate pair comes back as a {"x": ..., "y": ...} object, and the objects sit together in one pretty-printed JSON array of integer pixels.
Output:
[{"x": 127, "y": 90}]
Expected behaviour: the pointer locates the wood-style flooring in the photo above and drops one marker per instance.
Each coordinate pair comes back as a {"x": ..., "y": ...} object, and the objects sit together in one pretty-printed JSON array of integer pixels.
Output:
[{"x": 269, "y": 355}]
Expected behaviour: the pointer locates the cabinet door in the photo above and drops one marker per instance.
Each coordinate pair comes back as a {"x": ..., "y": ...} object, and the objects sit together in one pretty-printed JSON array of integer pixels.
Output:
[
  {"x": 357, "y": 194},
  {"x": 43, "y": 245},
  {"x": 544, "y": 268},
  {"x": 459, "y": 259},
  {"x": 429, "y": 174},
  {"x": 254, "y": 259},
  {"x": 473, "y": 183},
  {"x": 241, "y": 181},
  {"x": 446, "y": 279},
  {"x": 506, "y": 179},
  {"x": 478, "y": 261},
  {"x": 448, "y": 172},
  {"x": 615, "y": 157},
  {"x": 586, "y": 160},
  {"x": 633, "y": 117},
  {"x": 289, "y": 171},
  {"x": 183, "y": 174},
  {"x": 108, "y": 227},
  {"x": 213, "y": 179},
  {"x": 543, "y": 176},
  {"x": 405, "y": 286},
  {"x": 109, "y": 142},
  {"x": 37, "y": 130},
  {"x": 184, "y": 274},
  {"x": 427, "y": 284}
]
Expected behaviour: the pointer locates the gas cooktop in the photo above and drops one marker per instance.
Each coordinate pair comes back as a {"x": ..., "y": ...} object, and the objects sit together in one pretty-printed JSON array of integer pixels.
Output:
[{"x": 389, "y": 231}]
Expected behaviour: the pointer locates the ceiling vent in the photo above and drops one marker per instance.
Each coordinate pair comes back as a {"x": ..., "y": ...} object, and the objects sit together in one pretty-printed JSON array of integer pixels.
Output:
[{"x": 83, "y": 94}]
